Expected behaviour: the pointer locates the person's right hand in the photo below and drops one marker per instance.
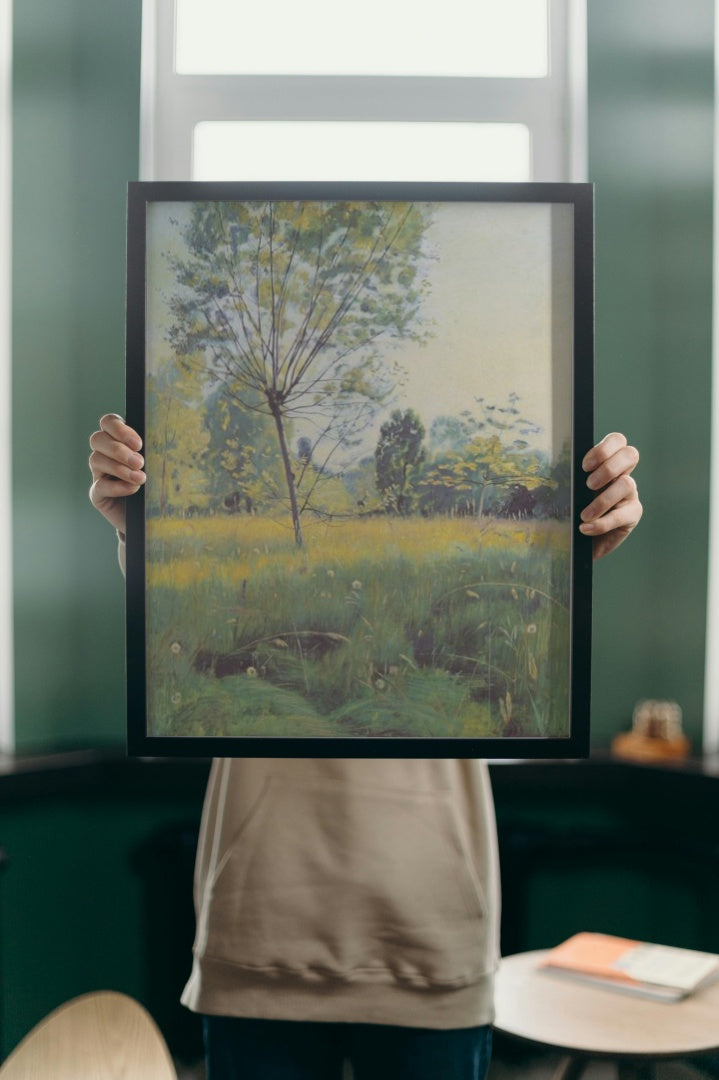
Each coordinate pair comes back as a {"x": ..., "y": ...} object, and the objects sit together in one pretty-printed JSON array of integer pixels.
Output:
[{"x": 116, "y": 466}]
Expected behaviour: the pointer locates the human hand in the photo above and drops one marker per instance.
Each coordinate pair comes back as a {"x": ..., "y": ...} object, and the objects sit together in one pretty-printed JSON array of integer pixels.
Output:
[
  {"x": 116, "y": 466},
  {"x": 616, "y": 510}
]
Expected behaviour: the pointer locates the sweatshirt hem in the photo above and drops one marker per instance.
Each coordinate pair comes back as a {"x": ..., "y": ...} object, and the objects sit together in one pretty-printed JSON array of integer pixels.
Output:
[{"x": 219, "y": 989}]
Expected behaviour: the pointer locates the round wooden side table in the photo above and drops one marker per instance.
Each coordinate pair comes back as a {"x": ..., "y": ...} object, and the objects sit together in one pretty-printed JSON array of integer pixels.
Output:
[{"x": 585, "y": 1022}]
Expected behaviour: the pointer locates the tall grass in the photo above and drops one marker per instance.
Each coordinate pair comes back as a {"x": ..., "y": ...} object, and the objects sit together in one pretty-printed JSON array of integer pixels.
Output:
[{"x": 382, "y": 626}]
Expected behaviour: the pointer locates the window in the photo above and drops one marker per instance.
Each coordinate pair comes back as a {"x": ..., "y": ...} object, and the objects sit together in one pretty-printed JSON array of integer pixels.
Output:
[
  {"x": 360, "y": 150},
  {"x": 407, "y": 89},
  {"x": 403, "y": 38}
]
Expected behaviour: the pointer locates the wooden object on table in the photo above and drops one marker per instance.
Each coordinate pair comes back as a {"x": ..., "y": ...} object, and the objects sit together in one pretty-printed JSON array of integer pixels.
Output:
[
  {"x": 99, "y": 1036},
  {"x": 586, "y": 1022},
  {"x": 656, "y": 734}
]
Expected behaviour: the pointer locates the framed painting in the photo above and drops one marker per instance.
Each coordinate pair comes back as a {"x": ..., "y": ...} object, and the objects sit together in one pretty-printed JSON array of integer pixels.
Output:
[{"x": 364, "y": 408}]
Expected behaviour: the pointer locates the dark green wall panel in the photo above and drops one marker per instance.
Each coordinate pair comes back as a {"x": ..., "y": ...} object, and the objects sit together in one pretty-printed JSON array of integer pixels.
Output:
[
  {"x": 75, "y": 146},
  {"x": 74, "y": 902},
  {"x": 651, "y": 88}
]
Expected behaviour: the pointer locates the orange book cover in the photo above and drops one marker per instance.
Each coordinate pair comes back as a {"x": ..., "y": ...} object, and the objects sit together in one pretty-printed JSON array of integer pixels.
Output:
[
  {"x": 592, "y": 954},
  {"x": 661, "y": 971}
]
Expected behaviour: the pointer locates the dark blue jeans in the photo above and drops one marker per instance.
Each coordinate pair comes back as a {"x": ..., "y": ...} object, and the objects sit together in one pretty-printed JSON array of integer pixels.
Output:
[{"x": 238, "y": 1049}]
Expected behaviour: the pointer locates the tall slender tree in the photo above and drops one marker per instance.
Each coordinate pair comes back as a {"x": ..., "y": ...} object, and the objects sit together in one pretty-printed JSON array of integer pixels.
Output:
[{"x": 290, "y": 306}]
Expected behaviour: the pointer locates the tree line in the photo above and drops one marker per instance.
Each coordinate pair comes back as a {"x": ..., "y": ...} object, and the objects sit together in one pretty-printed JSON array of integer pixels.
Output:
[{"x": 209, "y": 456}]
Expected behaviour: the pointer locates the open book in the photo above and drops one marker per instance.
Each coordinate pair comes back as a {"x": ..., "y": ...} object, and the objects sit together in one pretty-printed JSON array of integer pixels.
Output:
[{"x": 661, "y": 972}]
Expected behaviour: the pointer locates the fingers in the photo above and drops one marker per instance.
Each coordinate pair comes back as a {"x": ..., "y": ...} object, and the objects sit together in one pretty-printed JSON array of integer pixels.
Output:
[
  {"x": 116, "y": 466},
  {"x": 115, "y": 451},
  {"x": 603, "y": 450},
  {"x": 626, "y": 515},
  {"x": 622, "y": 492},
  {"x": 610, "y": 458},
  {"x": 616, "y": 509},
  {"x": 117, "y": 429},
  {"x": 113, "y": 459},
  {"x": 106, "y": 489}
]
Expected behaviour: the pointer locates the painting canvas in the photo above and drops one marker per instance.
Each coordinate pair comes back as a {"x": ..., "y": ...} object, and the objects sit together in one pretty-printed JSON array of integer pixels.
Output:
[{"x": 362, "y": 408}]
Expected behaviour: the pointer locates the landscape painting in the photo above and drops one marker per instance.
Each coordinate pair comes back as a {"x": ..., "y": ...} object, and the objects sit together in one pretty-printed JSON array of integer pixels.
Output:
[{"x": 359, "y": 416}]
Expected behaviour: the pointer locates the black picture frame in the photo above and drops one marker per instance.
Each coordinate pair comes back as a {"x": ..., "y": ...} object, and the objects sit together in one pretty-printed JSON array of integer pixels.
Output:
[{"x": 430, "y": 664}]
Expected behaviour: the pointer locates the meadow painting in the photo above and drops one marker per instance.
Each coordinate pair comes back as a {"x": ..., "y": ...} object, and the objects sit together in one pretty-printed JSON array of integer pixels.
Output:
[{"x": 359, "y": 411}]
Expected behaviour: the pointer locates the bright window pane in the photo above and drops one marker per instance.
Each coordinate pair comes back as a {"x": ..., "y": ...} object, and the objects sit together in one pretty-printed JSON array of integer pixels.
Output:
[
  {"x": 278, "y": 150},
  {"x": 498, "y": 38}
]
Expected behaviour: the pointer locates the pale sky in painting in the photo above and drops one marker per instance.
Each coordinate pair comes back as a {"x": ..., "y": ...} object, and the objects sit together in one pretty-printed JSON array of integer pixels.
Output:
[
  {"x": 491, "y": 301},
  {"x": 500, "y": 308}
]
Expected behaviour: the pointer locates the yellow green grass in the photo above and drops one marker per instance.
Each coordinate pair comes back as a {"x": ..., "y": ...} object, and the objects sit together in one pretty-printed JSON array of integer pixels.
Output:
[{"x": 378, "y": 626}]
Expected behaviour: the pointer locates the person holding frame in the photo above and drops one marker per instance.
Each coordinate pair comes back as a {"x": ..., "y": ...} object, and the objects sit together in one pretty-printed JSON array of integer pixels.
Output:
[{"x": 348, "y": 909}]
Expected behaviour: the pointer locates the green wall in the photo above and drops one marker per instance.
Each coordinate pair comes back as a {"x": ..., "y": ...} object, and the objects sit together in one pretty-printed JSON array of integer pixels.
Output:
[
  {"x": 650, "y": 156},
  {"x": 61, "y": 937},
  {"x": 76, "y": 90},
  {"x": 96, "y": 892},
  {"x": 75, "y": 146}
]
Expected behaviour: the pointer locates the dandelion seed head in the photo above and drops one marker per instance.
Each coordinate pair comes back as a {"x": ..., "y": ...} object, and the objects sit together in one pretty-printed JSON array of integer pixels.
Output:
[
  {"x": 175, "y": 647},
  {"x": 251, "y": 673},
  {"x": 532, "y": 628},
  {"x": 356, "y": 585}
]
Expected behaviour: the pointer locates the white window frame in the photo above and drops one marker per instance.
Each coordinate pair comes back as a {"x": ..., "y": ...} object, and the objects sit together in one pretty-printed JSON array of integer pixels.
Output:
[
  {"x": 7, "y": 720},
  {"x": 553, "y": 108}
]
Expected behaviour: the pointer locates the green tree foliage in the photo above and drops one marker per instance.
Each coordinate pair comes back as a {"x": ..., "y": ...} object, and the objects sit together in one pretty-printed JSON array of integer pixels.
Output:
[
  {"x": 361, "y": 483},
  {"x": 399, "y": 457},
  {"x": 470, "y": 474},
  {"x": 175, "y": 457},
  {"x": 243, "y": 457},
  {"x": 480, "y": 454},
  {"x": 289, "y": 307},
  {"x": 554, "y": 499}
]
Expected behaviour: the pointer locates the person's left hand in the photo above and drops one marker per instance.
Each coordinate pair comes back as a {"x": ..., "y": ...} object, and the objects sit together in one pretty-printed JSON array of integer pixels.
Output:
[{"x": 616, "y": 510}]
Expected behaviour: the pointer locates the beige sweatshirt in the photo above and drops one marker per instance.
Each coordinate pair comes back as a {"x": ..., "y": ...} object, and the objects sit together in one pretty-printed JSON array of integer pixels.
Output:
[{"x": 347, "y": 890}]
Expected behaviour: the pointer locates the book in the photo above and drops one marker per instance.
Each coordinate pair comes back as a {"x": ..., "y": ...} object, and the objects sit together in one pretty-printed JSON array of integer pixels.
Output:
[{"x": 660, "y": 972}]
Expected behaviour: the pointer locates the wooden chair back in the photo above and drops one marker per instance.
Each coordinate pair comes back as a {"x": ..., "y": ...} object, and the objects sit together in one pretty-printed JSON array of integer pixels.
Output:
[{"x": 99, "y": 1036}]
